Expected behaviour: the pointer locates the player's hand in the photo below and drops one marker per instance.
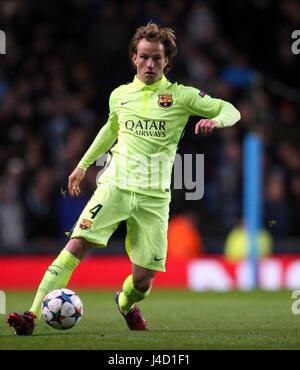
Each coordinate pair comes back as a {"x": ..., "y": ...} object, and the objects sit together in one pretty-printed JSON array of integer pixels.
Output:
[
  {"x": 206, "y": 126},
  {"x": 74, "y": 181}
]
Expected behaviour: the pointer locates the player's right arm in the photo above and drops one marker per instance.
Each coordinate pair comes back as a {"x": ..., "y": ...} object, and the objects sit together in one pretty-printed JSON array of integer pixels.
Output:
[{"x": 103, "y": 141}]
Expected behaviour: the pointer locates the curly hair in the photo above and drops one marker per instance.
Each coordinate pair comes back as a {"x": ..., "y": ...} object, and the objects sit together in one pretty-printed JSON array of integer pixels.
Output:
[{"x": 153, "y": 33}]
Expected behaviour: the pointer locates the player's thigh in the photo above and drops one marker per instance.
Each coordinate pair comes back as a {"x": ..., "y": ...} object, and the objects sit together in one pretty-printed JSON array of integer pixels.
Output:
[
  {"x": 147, "y": 228},
  {"x": 102, "y": 215}
]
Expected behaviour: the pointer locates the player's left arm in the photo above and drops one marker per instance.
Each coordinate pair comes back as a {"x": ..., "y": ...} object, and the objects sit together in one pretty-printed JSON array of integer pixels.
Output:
[{"x": 217, "y": 113}]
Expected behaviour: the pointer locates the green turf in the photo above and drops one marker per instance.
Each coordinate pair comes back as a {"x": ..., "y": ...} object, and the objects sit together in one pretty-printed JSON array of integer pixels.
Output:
[{"x": 176, "y": 319}]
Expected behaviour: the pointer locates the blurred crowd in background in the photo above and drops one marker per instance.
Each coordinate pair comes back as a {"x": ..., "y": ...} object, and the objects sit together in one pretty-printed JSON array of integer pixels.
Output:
[{"x": 64, "y": 58}]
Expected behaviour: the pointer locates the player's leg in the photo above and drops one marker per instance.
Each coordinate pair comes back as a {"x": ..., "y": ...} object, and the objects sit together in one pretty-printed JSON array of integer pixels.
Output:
[
  {"x": 136, "y": 287},
  {"x": 95, "y": 225},
  {"x": 146, "y": 245},
  {"x": 60, "y": 271},
  {"x": 57, "y": 276},
  {"x": 142, "y": 278}
]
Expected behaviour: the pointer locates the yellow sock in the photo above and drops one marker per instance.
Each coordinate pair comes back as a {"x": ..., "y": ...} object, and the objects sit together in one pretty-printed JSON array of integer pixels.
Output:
[
  {"x": 57, "y": 276},
  {"x": 130, "y": 295}
]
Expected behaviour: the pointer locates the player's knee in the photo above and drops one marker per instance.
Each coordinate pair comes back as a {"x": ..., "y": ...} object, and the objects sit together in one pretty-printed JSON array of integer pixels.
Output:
[{"x": 79, "y": 247}]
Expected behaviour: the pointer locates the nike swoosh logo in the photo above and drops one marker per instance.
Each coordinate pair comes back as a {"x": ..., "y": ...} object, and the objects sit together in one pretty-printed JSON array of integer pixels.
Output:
[
  {"x": 125, "y": 102},
  {"x": 158, "y": 259}
]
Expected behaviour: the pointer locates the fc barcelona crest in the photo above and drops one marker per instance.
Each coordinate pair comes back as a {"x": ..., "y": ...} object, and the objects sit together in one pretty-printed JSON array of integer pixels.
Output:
[
  {"x": 85, "y": 224},
  {"x": 165, "y": 101}
]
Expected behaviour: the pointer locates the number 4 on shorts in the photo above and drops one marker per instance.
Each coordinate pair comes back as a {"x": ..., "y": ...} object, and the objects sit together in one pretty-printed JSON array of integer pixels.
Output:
[{"x": 94, "y": 211}]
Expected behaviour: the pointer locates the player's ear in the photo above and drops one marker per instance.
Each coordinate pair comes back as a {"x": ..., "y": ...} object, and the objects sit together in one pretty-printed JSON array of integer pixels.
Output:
[
  {"x": 166, "y": 61},
  {"x": 134, "y": 58}
]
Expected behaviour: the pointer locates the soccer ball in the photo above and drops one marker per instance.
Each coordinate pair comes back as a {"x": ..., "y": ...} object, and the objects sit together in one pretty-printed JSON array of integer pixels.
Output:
[{"x": 62, "y": 309}]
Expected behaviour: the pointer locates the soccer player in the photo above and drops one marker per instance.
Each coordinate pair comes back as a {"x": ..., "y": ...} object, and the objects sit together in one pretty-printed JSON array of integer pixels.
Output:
[{"x": 147, "y": 118}]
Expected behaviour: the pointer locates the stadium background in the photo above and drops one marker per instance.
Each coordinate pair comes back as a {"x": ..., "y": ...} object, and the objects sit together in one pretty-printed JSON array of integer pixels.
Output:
[{"x": 62, "y": 62}]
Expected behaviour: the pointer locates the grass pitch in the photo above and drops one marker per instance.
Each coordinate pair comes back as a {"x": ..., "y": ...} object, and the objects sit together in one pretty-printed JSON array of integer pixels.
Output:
[{"x": 177, "y": 320}]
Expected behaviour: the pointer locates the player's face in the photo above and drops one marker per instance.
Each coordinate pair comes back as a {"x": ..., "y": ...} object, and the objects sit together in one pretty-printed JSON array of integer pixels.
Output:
[{"x": 150, "y": 61}]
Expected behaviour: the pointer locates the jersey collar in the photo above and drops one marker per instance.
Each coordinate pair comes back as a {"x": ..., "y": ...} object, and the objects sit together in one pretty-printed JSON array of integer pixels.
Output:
[{"x": 141, "y": 85}]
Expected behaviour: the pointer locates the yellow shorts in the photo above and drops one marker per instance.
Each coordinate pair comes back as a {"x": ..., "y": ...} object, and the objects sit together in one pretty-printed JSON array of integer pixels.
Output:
[{"x": 146, "y": 220}]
